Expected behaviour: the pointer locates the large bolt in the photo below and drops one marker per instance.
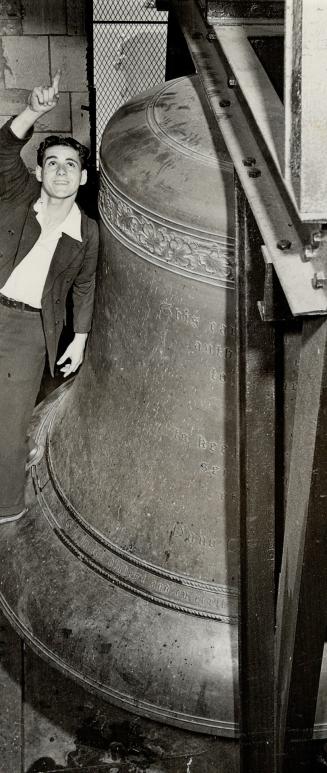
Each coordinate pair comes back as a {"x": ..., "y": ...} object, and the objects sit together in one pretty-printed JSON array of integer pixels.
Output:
[
  {"x": 318, "y": 280},
  {"x": 254, "y": 173},
  {"x": 309, "y": 252},
  {"x": 284, "y": 244},
  {"x": 211, "y": 36},
  {"x": 311, "y": 249},
  {"x": 316, "y": 238},
  {"x": 249, "y": 161}
]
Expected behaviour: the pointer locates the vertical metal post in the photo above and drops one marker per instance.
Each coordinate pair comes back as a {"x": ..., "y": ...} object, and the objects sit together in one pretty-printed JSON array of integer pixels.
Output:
[
  {"x": 301, "y": 608},
  {"x": 256, "y": 364}
]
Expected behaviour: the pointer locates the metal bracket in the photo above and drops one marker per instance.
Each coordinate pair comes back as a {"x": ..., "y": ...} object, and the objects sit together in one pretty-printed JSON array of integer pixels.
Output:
[
  {"x": 316, "y": 253},
  {"x": 274, "y": 306}
]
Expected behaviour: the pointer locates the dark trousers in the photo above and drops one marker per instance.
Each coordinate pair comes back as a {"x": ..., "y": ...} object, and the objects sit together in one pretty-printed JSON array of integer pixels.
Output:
[{"x": 22, "y": 357}]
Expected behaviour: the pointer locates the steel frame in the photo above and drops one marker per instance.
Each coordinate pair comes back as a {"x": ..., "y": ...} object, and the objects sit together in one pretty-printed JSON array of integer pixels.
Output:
[
  {"x": 283, "y": 234},
  {"x": 275, "y": 199}
]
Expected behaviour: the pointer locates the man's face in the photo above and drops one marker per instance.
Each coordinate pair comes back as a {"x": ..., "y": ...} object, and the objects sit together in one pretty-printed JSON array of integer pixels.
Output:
[{"x": 61, "y": 173}]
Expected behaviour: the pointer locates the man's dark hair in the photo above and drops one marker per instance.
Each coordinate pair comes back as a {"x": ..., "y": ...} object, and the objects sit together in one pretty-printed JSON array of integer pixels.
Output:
[{"x": 69, "y": 142}]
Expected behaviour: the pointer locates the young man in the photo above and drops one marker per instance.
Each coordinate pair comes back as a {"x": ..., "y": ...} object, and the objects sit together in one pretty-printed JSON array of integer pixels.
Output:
[{"x": 47, "y": 245}]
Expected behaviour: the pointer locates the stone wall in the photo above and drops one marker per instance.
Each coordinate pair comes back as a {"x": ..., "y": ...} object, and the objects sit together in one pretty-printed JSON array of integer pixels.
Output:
[{"x": 37, "y": 37}]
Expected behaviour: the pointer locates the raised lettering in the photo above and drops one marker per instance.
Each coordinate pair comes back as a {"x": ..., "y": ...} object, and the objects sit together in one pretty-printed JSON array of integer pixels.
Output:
[
  {"x": 165, "y": 310},
  {"x": 215, "y": 350}
]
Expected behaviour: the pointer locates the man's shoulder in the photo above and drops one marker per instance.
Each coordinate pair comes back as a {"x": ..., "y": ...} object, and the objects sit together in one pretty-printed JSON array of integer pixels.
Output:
[
  {"x": 89, "y": 233},
  {"x": 89, "y": 225}
]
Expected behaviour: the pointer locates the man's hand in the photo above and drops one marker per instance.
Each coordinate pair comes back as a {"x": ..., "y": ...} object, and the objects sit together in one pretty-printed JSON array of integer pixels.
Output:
[
  {"x": 74, "y": 353},
  {"x": 42, "y": 99}
]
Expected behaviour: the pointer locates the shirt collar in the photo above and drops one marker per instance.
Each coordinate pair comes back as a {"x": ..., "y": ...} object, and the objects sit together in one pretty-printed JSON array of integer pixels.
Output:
[{"x": 70, "y": 226}]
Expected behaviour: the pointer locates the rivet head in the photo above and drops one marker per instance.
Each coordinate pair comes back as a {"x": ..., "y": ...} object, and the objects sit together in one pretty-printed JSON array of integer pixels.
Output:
[
  {"x": 284, "y": 244},
  {"x": 316, "y": 238},
  {"x": 249, "y": 161},
  {"x": 318, "y": 280},
  {"x": 232, "y": 83},
  {"x": 309, "y": 252},
  {"x": 211, "y": 36},
  {"x": 254, "y": 173},
  {"x": 224, "y": 103}
]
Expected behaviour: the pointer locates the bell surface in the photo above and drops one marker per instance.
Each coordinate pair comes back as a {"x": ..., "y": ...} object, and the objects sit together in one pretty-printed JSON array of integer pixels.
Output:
[{"x": 124, "y": 574}]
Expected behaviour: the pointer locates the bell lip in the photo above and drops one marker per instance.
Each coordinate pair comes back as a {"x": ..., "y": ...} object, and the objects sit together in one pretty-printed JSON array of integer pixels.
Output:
[
  {"x": 24, "y": 615},
  {"x": 147, "y": 709}
]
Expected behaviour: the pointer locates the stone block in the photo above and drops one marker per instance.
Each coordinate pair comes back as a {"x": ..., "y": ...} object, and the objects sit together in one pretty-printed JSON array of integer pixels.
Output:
[
  {"x": 10, "y": 17},
  {"x": 80, "y": 117},
  {"x": 10, "y": 8},
  {"x": 69, "y": 53},
  {"x": 10, "y": 26},
  {"x": 76, "y": 17},
  {"x": 13, "y": 101},
  {"x": 44, "y": 16},
  {"x": 26, "y": 61}
]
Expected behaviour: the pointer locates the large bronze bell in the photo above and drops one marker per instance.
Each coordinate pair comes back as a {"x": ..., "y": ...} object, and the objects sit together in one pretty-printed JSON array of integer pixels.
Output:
[{"x": 125, "y": 572}]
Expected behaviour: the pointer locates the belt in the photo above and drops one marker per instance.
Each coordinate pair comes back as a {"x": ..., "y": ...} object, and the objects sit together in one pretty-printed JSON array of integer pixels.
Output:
[{"x": 19, "y": 305}]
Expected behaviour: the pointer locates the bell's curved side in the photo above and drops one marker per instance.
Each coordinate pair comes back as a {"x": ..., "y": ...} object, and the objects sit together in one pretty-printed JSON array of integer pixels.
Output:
[{"x": 124, "y": 574}]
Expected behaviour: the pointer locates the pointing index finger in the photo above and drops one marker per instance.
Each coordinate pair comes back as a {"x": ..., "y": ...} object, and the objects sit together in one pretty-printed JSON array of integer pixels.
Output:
[{"x": 55, "y": 81}]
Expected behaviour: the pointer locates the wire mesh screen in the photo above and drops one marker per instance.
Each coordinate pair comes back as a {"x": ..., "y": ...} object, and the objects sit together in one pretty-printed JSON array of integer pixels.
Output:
[
  {"x": 128, "y": 59},
  {"x": 127, "y": 10}
]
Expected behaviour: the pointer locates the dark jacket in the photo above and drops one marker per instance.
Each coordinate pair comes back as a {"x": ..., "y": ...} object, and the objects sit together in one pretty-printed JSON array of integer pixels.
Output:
[{"x": 73, "y": 263}]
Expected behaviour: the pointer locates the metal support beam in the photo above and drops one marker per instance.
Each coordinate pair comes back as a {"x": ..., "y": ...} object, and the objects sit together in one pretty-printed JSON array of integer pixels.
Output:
[
  {"x": 243, "y": 11},
  {"x": 283, "y": 234},
  {"x": 254, "y": 84},
  {"x": 256, "y": 366},
  {"x": 301, "y": 608},
  {"x": 306, "y": 105}
]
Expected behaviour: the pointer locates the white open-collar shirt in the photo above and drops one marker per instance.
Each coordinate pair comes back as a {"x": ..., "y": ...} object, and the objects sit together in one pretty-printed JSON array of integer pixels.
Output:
[{"x": 27, "y": 280}]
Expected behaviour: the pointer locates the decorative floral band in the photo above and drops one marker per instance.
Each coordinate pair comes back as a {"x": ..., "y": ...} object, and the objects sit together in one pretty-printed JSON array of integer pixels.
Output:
[{"x": 164, "y": 244}]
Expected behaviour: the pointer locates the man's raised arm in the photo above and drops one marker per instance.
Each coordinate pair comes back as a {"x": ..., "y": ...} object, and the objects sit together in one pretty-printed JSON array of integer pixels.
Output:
[{"x": 41, "y": 100}]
